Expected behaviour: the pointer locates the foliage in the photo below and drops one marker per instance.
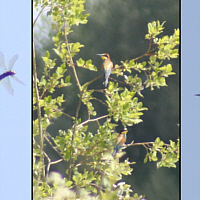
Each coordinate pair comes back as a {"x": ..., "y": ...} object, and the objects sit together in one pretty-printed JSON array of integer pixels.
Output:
[
  {"x": 169, "y": 153},
  {"x": 91, "y": 171}
]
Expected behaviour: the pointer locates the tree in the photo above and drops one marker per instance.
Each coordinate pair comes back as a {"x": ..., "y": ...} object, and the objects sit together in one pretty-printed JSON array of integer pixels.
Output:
[{"x": 90, "y": 167}]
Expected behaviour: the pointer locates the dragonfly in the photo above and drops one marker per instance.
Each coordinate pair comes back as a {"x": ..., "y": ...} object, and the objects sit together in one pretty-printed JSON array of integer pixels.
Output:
[{"x": 8, "y": 72}]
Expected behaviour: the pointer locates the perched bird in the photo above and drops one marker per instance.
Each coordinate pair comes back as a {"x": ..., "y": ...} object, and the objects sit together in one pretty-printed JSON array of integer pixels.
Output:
[
  {"x": 121, "y": 139},
  {"x": 107, "y": 66}
]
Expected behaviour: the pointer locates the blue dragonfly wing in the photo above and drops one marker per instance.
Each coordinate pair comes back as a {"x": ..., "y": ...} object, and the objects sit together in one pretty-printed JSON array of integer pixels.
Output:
[
  {"x": 2, "y": 61},
  {"x": 12, "y": 62},
  {"x": 8, "y": 86}
]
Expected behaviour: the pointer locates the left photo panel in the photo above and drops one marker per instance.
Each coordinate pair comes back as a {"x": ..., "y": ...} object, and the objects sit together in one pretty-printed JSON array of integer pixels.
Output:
[{"x": 15, "y": 99}]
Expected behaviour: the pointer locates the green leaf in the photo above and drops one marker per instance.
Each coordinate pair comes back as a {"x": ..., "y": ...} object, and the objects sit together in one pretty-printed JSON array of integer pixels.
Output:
[
  {"x": 67, "y": 79},
  {"x": 145, "y": 159},
  {"x": 153, "y": 59},
  {"x": 75, "y": 47},
  {"x": 90, "y": 66},
  {"x": 69, "y": 183},
  {"x": 47, "y": 54},
  {"x": 56, "y": 51},
  {"x": 80, "y": 62},
  {"x": 157, "y": 140}
]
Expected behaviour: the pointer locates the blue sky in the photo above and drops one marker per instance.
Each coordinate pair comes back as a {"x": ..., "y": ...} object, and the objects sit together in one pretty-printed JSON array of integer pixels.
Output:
[
  {"x": 190, "y": 104},
  {"x": 15, "y": 111}
]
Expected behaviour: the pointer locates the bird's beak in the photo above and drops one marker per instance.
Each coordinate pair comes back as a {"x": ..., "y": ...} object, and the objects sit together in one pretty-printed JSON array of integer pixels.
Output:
[
  {"x": 103, "y": 57},
  {"x": 125, "y": 131}
]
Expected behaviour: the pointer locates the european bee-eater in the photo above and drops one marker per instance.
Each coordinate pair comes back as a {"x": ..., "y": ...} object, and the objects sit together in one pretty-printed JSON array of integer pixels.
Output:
[
  {"x": 107, "y": 66},
  {"x": 121, "y": 139}
]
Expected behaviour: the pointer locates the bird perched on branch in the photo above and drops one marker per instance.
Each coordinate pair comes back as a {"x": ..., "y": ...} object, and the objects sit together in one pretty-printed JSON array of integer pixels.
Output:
[
  {"x": 121, "y": 139},
  {"x": 107, "y": 66}
]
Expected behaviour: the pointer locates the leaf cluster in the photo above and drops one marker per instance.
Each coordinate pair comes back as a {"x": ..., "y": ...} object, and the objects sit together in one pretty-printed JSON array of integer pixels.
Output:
[{"x": 169, "y": 153}]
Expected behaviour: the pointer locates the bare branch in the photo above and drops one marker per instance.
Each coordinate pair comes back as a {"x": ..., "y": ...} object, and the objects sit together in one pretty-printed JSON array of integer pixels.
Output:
[
  {"x": 38, "y": 15},
  {"x": 92, "y": 120},
  {"x": 38, "y": 111},
  {"x": 71, "y": 60}
]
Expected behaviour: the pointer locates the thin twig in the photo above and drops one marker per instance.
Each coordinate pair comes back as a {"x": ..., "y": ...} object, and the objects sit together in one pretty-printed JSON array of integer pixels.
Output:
[
  {"x": 80, "y": 99},
  {"x": 47, "y": 139},
  {"x": 101, "y": 91},
  {"x": 38, "y": 111},
  {"x": 92, "y": 81},
  {"x": 150, "y": 43},
  {"x": 118, "y": 81},
  {"x": 99, "y": 101},
  {"x": 38, "y": 15},
  {"x": 51, "y": 163},
  {"x": 71, "y": 60},
  {"x": 82, "y": 162},
  {"x": 92, "y": 120},
  {"x": 73, "y": 135},
  {"x": 65, "y": 114}
]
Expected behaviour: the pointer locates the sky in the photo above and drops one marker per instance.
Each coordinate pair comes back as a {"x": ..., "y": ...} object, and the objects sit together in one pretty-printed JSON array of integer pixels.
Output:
[
  {"x": 190, "y": 104},
  {"x": 15, "y": 111}
]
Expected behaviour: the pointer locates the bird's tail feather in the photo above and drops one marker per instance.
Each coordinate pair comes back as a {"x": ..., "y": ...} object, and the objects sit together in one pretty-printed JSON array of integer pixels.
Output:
[
  {"x": 106, "y": 82},
  {"x": 114, "y": 153},
  {"x": 106, "y": 76}
]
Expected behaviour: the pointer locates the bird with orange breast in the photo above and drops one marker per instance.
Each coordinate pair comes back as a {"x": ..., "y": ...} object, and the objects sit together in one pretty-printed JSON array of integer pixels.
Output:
[
  {"x": 121, "y": 139},
  {"x": 107, "y": 66}
]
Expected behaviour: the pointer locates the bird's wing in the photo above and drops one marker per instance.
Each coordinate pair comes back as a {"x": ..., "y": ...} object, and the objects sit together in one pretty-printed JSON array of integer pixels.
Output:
[
  {"x": 111, "y": 65},
  {"x": 102, "y": 67},
  {"x": 119, "y": 138}
]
